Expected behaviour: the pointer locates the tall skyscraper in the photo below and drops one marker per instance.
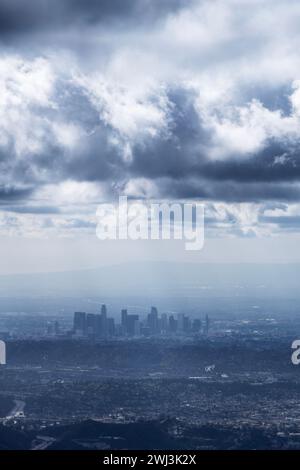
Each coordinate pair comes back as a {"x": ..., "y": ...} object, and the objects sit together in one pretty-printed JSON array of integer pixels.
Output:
[
  {"x": 110, "y": 327},
  {"x": 180, "y": 322},
  {"x": 197, "y": 325},
  {"x": 172, "y": 324},
  {"x": 124, "y": 321},
  {"x": 79, "y": 323},
  {"x": 91, "y": 324},
  {"x": 137, "y": 327},
  {"x": 99, "y": 327},
  {"x": 154, "y": 311},
  {"x": 132, "y": 325},
  {"x": 103, "y": 320},
  {"x": 186, "y": 324},
  {"x": 152, "y": 321},
  {"x": 164, "y": 323}
]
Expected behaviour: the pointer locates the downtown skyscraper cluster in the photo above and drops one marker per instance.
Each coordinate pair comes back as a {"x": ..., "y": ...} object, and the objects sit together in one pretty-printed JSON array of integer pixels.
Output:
[{"x": 100, "y": 326}]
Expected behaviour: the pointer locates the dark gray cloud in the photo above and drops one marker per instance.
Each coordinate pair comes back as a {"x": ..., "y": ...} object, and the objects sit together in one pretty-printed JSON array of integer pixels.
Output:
[
  {"x": 10, "y": 194},
  {"x": 27, "y": 209},
  {"x": 283, "y": 221},
  {"x": 23, "y": 16},
  {"x": 177, "y": 162},
  {"x": 181, "y": 167},
  {"x": 227, "y": 191}
]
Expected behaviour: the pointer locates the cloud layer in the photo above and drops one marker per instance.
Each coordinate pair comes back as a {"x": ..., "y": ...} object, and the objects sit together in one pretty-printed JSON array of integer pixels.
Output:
[{"x": 163, "y": 99}]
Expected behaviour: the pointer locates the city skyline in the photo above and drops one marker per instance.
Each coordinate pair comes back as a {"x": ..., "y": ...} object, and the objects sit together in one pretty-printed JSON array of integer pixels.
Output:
[{"x": 100, "y": 326}]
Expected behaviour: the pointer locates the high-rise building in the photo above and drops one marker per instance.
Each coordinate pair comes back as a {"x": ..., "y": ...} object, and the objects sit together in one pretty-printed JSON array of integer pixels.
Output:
[
  {"x": 91, "y": 324},
  {"x": 132, "y": 325},
  {"x": 79, "y": 324},
  {"x": 196, "y": 325},
  {"x": 103, "y": 321},
  {"x": 110, "y": 327},
  {"x": 172, "y": 324},
  {"x": 186, "y": 324},
  {"x": 154, "y": 311},
  {"x": 137, "y": 327},
  {"x": 164, "y": 323},
  {"x": 180, "y": 322},
  {"x": 124, "y": 321},
  {"x": 152, "y": 321},
  {"x": 103, "y": 310}
]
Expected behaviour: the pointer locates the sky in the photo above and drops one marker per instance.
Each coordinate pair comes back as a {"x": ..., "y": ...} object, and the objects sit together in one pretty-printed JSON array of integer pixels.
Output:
[{"x": 167, "y": 99}]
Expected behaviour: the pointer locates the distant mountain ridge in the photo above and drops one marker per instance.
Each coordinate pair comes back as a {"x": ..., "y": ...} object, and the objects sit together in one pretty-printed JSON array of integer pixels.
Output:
[{"x": 148, "y": 278}]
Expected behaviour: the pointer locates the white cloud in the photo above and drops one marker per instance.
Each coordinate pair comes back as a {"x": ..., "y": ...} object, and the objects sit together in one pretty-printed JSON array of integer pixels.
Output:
[
  {"x": 72, "y": 193},
  {"x": 25, "y": 88},
  {"x": 134, "y": 113}
]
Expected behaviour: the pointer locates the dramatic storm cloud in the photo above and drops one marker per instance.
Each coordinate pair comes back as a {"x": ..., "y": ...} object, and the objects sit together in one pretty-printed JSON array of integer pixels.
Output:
[{"x": 161, "y": 99}]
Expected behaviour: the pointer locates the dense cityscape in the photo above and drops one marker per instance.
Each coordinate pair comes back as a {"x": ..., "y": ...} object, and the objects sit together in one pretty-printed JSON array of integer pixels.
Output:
[
  {"x": 101, "y": 326},
  {"x": 162, "y": 381}
]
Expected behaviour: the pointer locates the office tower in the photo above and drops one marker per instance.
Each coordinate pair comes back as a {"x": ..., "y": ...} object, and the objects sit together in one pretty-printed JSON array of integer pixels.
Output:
[
  {"x": 103, "y": 310},
  {"x": 103, "y": 321},
  {"x": 186, "y": 324},
  {"x": 180, "y": 322},
  {"x": 152, "y": 321},
  {"x": 197, "y": 325},
  {"x": 172, "y": 324},
  {"x": 110, "y": 327},
  {"x": 137, "y": 327},
  {"x": 131, "y": 324},
  {"x": 91, "y": 324},
  {"x": 124, "y": 321},
  {"x": 118, "y": 330},
  {"x": 164, "y": 323},
  {"x": 79, "y": 325},
  {"x": 154, "y": 311},
  {"x": 99, "y": 326}
]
